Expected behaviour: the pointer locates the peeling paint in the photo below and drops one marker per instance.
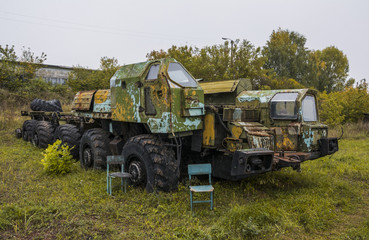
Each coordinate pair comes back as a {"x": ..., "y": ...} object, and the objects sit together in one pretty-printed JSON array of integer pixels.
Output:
[
  {"x": 237, "y": 114},
  {"x": 160, "y": 125}
]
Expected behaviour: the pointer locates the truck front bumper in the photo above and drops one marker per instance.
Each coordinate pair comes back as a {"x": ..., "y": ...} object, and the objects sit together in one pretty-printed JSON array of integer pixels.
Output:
[{"x": 242, "y": 164}]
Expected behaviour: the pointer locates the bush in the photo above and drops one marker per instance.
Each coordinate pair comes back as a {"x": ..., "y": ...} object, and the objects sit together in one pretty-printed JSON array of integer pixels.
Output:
[
  {"x": 348, "y": 106},
  {"x": 57, "y": 159}
]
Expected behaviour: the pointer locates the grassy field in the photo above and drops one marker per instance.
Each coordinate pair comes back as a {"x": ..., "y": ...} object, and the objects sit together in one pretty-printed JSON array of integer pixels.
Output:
[{"x": 329, "y": 199}]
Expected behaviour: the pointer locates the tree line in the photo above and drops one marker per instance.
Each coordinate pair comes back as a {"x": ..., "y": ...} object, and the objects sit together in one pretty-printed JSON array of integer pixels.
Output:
[{"x": 283, "y": 63}]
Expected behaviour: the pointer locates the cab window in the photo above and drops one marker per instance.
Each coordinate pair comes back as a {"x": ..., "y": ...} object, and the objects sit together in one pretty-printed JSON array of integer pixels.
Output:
[
  {"x": 283, "y": 106},
  {"x": 179, "y": 75},
  {"x": 153, "y": 72},
  {"x": 309, "y": 112}
]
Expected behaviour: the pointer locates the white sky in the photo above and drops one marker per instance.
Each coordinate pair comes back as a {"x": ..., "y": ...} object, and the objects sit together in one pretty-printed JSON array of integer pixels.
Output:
[{"x": 79, "y": 32}]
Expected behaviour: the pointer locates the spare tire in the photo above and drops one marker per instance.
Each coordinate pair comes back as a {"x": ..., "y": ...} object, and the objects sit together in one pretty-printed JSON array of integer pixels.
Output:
[{"x": 46, "y": 106}]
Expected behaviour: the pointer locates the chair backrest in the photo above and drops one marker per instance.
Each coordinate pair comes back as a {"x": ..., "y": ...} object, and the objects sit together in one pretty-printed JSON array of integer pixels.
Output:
[
  {"x": 115, "y": 159},
  {"x": 199, "y": 169}
]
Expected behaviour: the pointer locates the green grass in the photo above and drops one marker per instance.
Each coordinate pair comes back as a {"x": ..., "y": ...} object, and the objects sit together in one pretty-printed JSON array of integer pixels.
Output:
[{"x": 328, "y": 199}]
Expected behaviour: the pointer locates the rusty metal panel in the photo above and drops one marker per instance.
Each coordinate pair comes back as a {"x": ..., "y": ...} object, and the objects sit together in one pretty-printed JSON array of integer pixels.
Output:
[
  {"x": 219, "y": 86},
  {"x": 233, "y": 144},
  {"x": 102, "y": 103},
  {"x": 266, "y": 142},
  {"x": 193, "y": 102},
  {"x": 209, "y": 130},
  {"x": 254, "y": 128},
  {"x": 286, "y": 138},
  {"x": 83, "y": 100},
  {"x": 238, "y": 114}
]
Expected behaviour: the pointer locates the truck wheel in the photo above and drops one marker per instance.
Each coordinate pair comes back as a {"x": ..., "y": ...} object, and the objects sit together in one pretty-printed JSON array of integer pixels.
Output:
[
  {"x": 93, "y": 148},
  {"x": 28, "y": 129},
  {"x": 70, "y": 135},
  {"x": 43, "y": 134},
  {"x": 152, "y": 164}
]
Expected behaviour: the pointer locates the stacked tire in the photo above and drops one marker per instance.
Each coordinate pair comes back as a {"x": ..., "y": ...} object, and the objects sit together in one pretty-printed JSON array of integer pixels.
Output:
[{"x": 46, "y": 106}]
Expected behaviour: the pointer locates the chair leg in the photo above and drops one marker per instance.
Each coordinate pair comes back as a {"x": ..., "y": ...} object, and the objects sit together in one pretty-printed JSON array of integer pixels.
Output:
[
  {"x": 107, "y": 184},
  {"x": 122, "y": 184},
  {"x": 211, "y": 203},
  {"x": 191, "y": 200},
  {"x": 110, "y": 185}
]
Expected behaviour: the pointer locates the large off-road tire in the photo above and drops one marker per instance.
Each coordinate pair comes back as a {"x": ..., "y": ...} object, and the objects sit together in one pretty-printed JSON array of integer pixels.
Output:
[
  {"x": 28, "y": 129},
  {"x": 93, "y": 148},
  {"x": 43, "y": 134},
  {"x": 70, "y": 135},
  {"x": 46, "y": 106},
  {"x": 152, "y": 164}
]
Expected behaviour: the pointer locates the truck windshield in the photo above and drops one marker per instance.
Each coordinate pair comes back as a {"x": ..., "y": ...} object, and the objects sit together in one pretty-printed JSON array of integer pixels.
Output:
[
  {"x": 309, "y": 113},
  {"x": 283, "y": 106},
  {"x": 179, "y": 75}
]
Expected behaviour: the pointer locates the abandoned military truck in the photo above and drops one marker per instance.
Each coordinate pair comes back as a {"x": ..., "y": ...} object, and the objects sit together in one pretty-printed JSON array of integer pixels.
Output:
[{"x": 160, "y": 119}]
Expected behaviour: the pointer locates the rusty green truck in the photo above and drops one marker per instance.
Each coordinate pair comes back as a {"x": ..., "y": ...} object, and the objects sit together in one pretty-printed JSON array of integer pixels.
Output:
[{"x": 160, "y": 119}]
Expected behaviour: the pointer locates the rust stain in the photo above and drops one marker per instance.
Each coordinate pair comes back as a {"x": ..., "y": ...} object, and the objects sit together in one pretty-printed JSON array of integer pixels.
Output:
[{"x": 101, "y": 96}]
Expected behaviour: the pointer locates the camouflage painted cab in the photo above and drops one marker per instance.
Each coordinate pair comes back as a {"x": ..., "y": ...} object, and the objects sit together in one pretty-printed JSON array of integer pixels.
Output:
[
  {"x": 150, "y": 108},
  {"x": 159, "y": 93},
  {"x": 285, "y": 122},
  {"x": 293, "y": 118}
]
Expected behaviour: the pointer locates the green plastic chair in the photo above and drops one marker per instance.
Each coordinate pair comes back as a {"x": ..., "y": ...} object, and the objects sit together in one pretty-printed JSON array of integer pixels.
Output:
[
  {"x": 124, "y": 176},
  {"x": 201, "y": 169}
]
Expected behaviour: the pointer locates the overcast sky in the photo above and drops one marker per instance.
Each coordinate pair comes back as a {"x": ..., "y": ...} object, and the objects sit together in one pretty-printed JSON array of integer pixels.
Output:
[{"x": 79, "y": 32}]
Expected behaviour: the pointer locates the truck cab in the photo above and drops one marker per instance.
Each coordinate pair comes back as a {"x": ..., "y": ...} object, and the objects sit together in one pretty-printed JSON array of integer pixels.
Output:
[
  {"x": 293, "y": 119},
  {"x": 160, "y": 94}
]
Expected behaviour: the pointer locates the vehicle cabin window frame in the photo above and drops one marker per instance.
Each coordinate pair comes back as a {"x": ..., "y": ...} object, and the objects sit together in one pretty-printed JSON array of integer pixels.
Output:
[
  {"x": 283, "y": 106},
  {"x": 313, "y": 112},
  {"x": 177, "y": 71},
  {"x": 153, "y": 72}
]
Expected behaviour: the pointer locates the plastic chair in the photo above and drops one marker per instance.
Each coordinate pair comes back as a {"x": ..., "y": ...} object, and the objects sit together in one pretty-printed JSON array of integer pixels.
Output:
[
  {"x": 124, "y": 176},
  {"x": 200, "y": 169}
]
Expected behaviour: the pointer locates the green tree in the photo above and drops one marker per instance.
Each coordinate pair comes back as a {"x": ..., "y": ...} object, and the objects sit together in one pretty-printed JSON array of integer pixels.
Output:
[
  {"x": 327, "y": 70},
  {"x": 335, "y": 69},
  {"x": 81, "y": 79},
  {"x": 9, "y": 73},
  {"x": 16, "y": 71},
  {"x": 218, "y": 62},
  {"x": 286, "y": 54}
]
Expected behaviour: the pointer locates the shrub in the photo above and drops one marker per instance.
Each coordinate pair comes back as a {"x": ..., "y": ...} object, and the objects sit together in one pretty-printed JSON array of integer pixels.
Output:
[
  {"x": 348, "y": 106},
  {"x": 57, "y": 159}
]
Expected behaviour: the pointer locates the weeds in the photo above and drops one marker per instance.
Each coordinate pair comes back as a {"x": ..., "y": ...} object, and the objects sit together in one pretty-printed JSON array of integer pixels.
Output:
[
  {"x": 328, "y": 199},
  {"x": 351, "y": 131}
]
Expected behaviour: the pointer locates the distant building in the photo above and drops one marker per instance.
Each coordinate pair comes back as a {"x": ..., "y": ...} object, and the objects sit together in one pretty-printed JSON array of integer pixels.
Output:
[{"x": 53, "y": 73}]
